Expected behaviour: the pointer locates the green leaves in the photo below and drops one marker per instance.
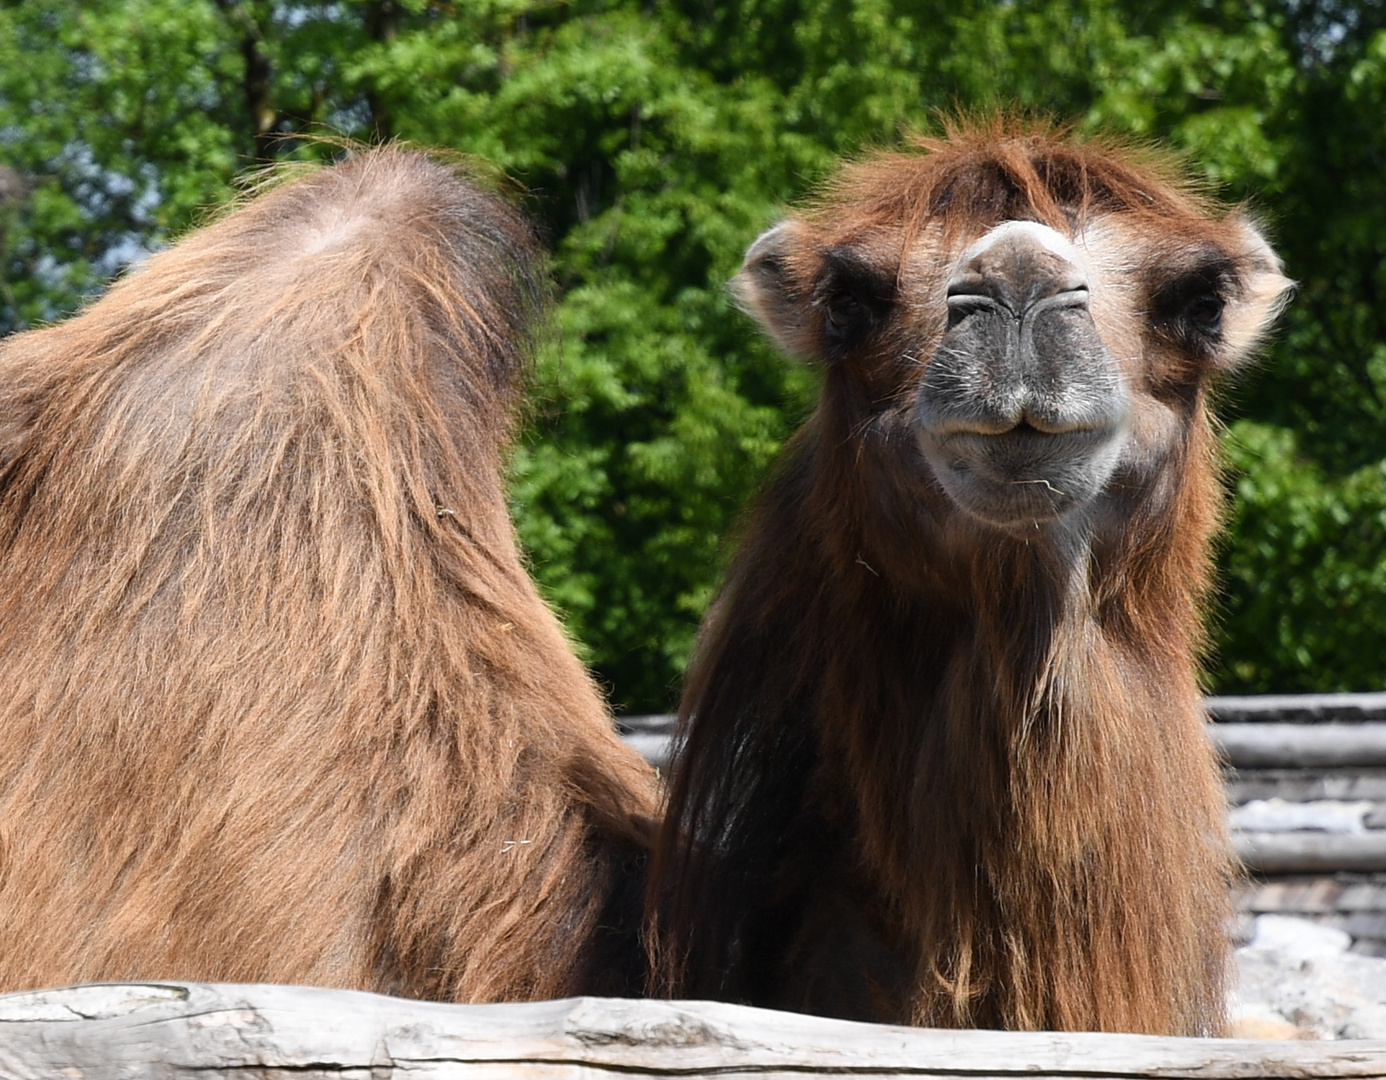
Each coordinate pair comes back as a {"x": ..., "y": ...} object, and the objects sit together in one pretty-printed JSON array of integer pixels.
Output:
[{"x": 1307, "y": 572}]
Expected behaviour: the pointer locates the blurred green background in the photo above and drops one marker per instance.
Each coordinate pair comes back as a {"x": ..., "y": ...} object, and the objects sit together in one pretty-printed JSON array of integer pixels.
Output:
[{"x": 656, "y": 140}]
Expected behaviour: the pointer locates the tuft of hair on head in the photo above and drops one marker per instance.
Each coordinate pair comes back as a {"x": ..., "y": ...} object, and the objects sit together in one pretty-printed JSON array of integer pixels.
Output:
[{"x": 990, "y": 167}]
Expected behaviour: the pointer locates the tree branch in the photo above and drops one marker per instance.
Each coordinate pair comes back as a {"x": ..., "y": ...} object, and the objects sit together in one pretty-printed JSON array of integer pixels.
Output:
[{"x": 259, "y": 78}]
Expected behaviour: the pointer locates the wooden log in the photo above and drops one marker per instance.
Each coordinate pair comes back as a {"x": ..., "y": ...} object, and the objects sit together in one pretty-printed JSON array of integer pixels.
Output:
[
  {"x": 1308, "y": 785},
  {"x": 1270, "y": 746},
  {"x": 1297, "y": 708},
  {"x": 1311, "y": 852},
  {"x": 170, "y": 1030},
  {"x": 652, "y": 736},
  {"x": 1222, "y": 709}
]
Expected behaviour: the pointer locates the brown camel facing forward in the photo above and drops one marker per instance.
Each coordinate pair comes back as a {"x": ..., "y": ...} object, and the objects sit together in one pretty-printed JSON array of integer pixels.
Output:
[
  {"x": 280, "y": 702},
  {"x": 944, "y": 759}
]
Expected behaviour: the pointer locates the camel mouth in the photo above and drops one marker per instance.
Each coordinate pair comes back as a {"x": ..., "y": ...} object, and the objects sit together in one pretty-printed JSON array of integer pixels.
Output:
[
  {"x": 941, "y": 425},
  {"x": 1025, "y": 474}
]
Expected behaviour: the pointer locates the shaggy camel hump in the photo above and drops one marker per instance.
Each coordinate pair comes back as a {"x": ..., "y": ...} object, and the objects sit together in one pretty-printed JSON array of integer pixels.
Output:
[
  {"x": 943, "y": 758},
  {"x": 282, "y": 703}
]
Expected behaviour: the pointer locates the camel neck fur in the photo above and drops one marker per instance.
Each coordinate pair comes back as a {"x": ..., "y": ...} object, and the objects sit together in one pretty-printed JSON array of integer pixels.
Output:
[{"x": 1030, "y": 786}]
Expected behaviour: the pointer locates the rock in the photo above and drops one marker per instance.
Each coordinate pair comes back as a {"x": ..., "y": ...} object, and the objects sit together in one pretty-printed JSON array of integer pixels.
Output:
[
  {"x": 1297, "y": 974},
  {"x": 1297, "y": 938},
  {"x": 1257, "y": 1021},
  {"x": 1367, "y": 1023}
]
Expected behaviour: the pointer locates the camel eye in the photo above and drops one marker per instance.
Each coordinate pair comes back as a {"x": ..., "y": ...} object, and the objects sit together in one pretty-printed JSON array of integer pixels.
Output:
[
  {"x": 854, "y": 297},
  {"x": 1188, "y": 310},
  {"x": 1205, "y": 312},
  {"x": 841, "y": 314}
]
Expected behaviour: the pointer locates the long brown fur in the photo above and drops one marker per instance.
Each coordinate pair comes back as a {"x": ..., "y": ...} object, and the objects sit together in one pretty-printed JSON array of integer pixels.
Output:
[
  {"x": 280, "y": 701},
  {"x": 942, "y": 774}
]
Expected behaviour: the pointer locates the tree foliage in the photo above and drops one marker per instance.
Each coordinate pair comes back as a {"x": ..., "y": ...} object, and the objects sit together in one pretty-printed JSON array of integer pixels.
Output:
[{"x": 655, "y": 140}]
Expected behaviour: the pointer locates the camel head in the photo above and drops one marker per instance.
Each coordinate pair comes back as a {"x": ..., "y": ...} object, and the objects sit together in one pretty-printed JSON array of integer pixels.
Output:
[{"x": 1027, "y": 320}]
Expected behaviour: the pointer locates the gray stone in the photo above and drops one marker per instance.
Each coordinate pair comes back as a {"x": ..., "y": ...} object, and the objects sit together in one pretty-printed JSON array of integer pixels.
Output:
[{"x": 1299, "y": 972}]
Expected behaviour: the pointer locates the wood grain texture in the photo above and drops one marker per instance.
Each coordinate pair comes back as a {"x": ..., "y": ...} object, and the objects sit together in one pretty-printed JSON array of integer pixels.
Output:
[{"x": 175, "y": 1030}]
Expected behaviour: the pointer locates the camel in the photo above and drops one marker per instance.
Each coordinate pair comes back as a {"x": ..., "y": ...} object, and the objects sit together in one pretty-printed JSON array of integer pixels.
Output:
[
  {"x": 281, "y": 702},
  {"x": 941, "y": 752}
]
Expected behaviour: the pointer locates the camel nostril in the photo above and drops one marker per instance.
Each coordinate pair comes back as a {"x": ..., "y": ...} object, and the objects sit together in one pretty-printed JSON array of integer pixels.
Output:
[
  {"x": 1049, "y": 294},
  {"x": 963, "y": 304},
  {"x": 1017, "y": 296},
  {"x": 1021, "y": 264}
]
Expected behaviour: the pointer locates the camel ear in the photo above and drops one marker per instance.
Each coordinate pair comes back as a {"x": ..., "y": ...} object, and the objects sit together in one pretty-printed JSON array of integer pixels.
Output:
[
  {"x": 1265, "y": 292},
  {"x": 773, "y": 288}
]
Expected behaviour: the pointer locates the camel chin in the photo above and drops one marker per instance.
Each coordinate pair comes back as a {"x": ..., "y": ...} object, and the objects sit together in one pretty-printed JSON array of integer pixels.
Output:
[{"x": 1021, "y": 478}]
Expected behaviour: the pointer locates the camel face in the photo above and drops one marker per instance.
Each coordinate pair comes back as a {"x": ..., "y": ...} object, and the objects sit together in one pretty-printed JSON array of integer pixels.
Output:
[{"x": 1021, "y": 370}]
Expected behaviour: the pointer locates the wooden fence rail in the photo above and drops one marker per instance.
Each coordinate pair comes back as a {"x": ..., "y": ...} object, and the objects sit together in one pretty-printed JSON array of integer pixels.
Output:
[{"x": 178, "y": 1030}]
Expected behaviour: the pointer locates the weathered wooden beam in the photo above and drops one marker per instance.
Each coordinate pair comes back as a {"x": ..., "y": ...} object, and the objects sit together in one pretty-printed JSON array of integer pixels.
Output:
[
  {"x": 174, "y": 1030},
  {"x": 651, "y": 736},
  {"x": 1297, "y": 708},
  {"x": 1271, "y": 746},
  {"x": 1311, "y": 852},
  {"x": 1306, "y": 785}
]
